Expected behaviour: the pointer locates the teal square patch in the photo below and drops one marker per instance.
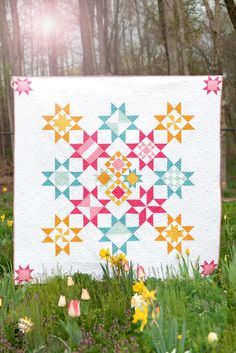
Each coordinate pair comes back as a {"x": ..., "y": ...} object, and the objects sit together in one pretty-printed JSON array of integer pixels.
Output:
[{"x": 61, "y": 178}]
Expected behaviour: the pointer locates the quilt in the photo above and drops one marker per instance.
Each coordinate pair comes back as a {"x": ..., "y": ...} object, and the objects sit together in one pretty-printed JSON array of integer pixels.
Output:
[{"x": 131, "y": 164}]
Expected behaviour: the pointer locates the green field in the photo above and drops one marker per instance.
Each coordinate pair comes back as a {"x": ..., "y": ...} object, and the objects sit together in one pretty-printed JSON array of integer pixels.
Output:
[{"x": 190, "y": 308}]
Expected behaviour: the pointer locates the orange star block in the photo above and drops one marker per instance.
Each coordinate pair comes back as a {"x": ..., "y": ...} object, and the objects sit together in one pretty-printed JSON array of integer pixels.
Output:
[
  {"x": 174, "y": 233},
  {"x": 61, "y": 235},
  {"x": 174, "y": 122},
  {"x": 62, "y": 122}
]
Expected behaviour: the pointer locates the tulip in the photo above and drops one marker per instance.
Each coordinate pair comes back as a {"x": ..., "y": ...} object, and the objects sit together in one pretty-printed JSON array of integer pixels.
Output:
[
  {"x": 126, "y": 266},
  {"x": 62, "y": 301},
  {"x": 212, "y": 337},
  {"x": 140, "y": 272},
  {"x": 70, "y": 281},
  {"x": 74, "y": 308},
  {"x": 85, "y": 294},
  {"x": 187, "y": 251}
]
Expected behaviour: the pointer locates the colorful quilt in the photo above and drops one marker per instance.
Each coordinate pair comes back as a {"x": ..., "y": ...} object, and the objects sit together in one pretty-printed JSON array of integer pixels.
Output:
[{"x": 126, "y": 163}]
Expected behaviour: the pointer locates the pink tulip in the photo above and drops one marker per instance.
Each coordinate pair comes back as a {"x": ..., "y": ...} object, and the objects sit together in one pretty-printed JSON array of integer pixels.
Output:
[
  {"x": 74, "y": 308},
  {"x": 140, "y": 272},
  {"x": 126, "y": 266}
]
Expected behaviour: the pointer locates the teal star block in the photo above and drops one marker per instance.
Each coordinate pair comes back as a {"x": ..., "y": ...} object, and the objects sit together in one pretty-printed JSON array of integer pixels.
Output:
[
  {"x": 119, "y": 234},
  {"x": 174, "y": 178},
  {"x": 118, "y": 122},
  {"x": 61, "y": 178}
]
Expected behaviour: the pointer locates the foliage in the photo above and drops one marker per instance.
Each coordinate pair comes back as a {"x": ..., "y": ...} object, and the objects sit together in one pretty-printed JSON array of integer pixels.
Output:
[{"x": 191, "y": 307}]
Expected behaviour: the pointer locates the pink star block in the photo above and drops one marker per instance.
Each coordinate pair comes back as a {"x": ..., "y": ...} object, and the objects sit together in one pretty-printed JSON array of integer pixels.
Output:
[
  {"x": 21, "y": 86},
  {"x": 208, "y": 268},
  {"x": 212, "y": 85},
  {"x": 24, "y": 274}
]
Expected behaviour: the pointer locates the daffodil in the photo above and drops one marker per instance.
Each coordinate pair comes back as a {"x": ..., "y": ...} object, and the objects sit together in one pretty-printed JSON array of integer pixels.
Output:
[
  {"x": 4, "y": 189},
  {"x": 105, "y": 254},
  {"x": 25, "y": 325},
  {"x": 2, "y": 217},
  {"x": 9, "y": 222},
  {"x": 113, "y": 260},
  {"x": 138, "y": 287},
  {"x": 148, "y": 295},
  {"x": 137, "y": 301},
  {"x": 141, "y": 314}
]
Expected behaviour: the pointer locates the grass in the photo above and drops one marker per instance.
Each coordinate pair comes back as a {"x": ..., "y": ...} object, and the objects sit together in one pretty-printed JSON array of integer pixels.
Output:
[{"x": 190, "y": 307}]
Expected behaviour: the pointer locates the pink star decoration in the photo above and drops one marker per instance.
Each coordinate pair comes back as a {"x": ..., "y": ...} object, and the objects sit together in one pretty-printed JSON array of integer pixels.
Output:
[
  {"x": 208, "y": 268},
  {"x": 22, "y": 85},
  {"x": 24, "y": 274},
  {"x": 212, "y": 85}
]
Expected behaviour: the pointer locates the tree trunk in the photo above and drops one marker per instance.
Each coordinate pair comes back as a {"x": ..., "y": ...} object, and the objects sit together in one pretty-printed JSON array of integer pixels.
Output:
[
  {"x": 16, "y": 45},
  {"x": 170, "y": 36},
  {"x": 231, "y": 8},
  {"x": 86, "y": 29},
  {"x": 182, "y": 41}
]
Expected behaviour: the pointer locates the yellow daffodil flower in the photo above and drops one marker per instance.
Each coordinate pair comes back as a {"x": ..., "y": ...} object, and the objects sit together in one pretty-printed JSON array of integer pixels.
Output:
[
  {"x": 148, "y": 295},
  {"x": 4, "y": 189},
  {"x": 2, "y": 217},
  {"x": 138, "y": 287},
  {"x": 141, "y": 314},
  {"x": 105, "y": 254},
  {"x": 9, "y": 222}
]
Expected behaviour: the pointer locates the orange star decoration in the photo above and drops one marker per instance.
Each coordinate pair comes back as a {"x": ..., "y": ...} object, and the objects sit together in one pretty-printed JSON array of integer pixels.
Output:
[
  {"x": 61, "y": 235},
  {"x": 62, "y": 122},
  {"x": 174, "y": 233},
  {"x": 174, "y": 122}
]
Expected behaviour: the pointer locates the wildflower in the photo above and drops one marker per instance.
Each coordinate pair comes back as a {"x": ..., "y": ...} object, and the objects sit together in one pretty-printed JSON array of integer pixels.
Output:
[
  {"x": 187, "y": 251},
  {"x": 70, "y": 282},
  {"x": 25, "y": 325},
  {"x": 141, "y": 314},
  {"x": 137, "y": 301},
  {"x": 105, "y": 254},
  {"x": 140, "y": 272},
  {"x": 148, "y": 295},
  {"x": 62, "y": 301},
  {"x": 156, "y": 313},
  {"x": 138, "y": 287},
  {"x": 0, "y": 302},
  {"x": 212, "y": 337},
  {"x": 85, "y": 294},
  {"x": 9, "y": 222},
  {"x": 126, "y": 266},
  {"x": 2, "y": 217},
  {"x": 4, "y": 189},
  {"x": 74, "y": 308}
]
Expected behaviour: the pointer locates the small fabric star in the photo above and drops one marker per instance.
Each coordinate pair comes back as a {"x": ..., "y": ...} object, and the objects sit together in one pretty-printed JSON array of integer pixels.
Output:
[
  {"x": 208, "y": 268},
  {"x": 212, "y": 85},
  {"x": 24, "y": 274},
  {"x": 22, "y": 86}
]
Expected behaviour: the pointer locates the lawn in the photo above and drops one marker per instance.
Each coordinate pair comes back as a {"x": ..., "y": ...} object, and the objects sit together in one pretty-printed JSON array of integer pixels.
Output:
[{"x": 181, "y": 313}]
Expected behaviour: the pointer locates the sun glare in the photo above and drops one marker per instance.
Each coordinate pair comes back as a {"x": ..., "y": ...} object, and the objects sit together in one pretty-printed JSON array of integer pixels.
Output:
[{"x": 48, "y": 25}]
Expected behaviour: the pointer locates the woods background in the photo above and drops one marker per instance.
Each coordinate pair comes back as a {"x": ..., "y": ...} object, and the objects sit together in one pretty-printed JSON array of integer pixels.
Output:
[{"x": 118, "y": 37}]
